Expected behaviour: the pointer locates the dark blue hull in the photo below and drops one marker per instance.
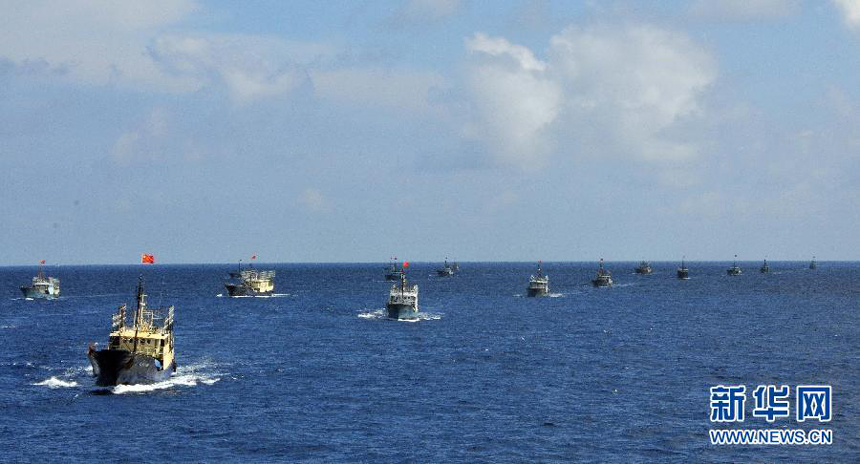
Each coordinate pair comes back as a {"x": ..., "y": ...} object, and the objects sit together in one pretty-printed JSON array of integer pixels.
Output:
[
  {"x": 397, "y": 311},
  {"x": 242, "y": 290},
  {"x": 121, "y": 367},
  {"x": 535, "y": 292},
  {"x": 32, "y": 292}
]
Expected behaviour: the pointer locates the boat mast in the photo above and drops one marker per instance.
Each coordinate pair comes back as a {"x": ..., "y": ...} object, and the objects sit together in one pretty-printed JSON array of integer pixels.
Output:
[{"x": 137, "y": 313}]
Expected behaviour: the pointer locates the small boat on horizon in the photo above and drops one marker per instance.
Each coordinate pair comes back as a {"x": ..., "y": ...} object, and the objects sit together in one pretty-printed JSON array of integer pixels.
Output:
[
  {"x": 603, "y": 278},
  {"x": 683, "y": 271},
  {"x": 42, "y": 286},
  {"x": 764, "y": 269},
  {"x": 643, "y": 268},
  {"x": 393, "y": 272},
  {"x": 538, "y": 283},
  {"x": 813, "y": 264},
  {"x": 446, "y": 270},
  {"x": 250, "y": 282},
  {"x": 735, "y": 270}
]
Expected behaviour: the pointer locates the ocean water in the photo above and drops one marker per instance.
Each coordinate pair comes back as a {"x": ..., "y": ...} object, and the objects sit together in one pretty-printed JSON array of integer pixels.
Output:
[{"x": 318, "y": 373}]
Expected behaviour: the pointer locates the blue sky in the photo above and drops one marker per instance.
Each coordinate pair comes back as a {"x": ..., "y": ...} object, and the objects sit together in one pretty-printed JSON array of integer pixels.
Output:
[{"x": 208, "y": 131}]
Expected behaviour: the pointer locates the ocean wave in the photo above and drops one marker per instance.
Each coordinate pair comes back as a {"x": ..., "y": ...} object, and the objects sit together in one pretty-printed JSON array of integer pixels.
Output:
[
  {"x": 187, "y": 376},
  {"x": 273, "y": 295},
  {"x": 55, "y": 382},
  {"x": 382, "y": 314}
]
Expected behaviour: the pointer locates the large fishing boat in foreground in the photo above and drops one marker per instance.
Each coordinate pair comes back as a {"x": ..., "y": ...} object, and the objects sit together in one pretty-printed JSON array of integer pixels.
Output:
[
  {"x": 403, "y": 299},
  {"x": 251, "y": 282},
  {"x": 137, "y": 354},
  {"x": 43, "y": 286},
  {"x": 538, "y": 283}
]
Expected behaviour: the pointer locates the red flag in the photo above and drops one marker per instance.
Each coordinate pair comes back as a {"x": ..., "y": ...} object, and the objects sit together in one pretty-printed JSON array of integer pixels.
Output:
[
  {"x": 405, "y": 263},
  {"x": 147, "y": 259},
  {"x": 254, "y": 257},
  {"x": 42, "y": 262}
]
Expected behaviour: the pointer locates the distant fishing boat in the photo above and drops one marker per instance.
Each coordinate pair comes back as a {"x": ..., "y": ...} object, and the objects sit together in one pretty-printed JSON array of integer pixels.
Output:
[
  {"x": 403, "y": 299},
  {"x": 250, "y": 282},
  {"x": 603, "y": 278},
  {"x": 813, "y": 264},
  {"x": 643, "y": 268},
  {"x": 683, "y": 271},
  {"x": 735, "y": 270},
  {"x": 538, "y": 283},
  {"x": 764, "y": 269},
  {"x": 446, "y": 270},
  {"x": 393, "y": 272},
  {"x": 42, "y": 286}
]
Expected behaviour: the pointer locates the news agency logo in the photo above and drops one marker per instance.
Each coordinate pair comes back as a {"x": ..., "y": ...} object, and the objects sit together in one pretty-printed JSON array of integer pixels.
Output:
[
  {"x": 727, "y": 403},
  {"x": 771, "y": 402},
  {"x": 812, "y": 403}
]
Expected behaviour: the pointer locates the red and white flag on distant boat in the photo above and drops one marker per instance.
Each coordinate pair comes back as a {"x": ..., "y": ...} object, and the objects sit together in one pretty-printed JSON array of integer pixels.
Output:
[
  {"x": 147, "y": 259},
  {"x": 254, "y": 257},
  {"x": 42, "y": 262},
  {"x": 405, "y": 263}
]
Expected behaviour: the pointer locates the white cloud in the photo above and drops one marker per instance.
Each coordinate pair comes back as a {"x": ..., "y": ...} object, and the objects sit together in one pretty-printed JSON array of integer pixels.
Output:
[
  {"x": 850, "y": 10},
  {"x": 745, "y": 10},
  {"x": 97, "y": 41},
  {"x": 248, "y": 67},
  {"x": 625, "y": 88},
  {"x": 514, "y": 98}
]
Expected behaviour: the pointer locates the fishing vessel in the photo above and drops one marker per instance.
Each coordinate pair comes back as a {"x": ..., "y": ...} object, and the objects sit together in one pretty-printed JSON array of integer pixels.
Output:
[
  {"x": 403, "y": 299},
  {"x": 538, "y": 283},
  {"x": 42, "y": 286},
  {"x": 393, "y": 272},
  {"x": 683, "y": 271},
  {"x": 813, "y": 264},
  {"x": 140, "y": 353},
  {"x": 643, "y": 268},
  {"x": 735, "y": 269},
  {"x": 603, "y": 278},
  {"x": 764, "y": 269},
  {"x": 250, "y": 282},
  {"x": 446, "y": 270}
]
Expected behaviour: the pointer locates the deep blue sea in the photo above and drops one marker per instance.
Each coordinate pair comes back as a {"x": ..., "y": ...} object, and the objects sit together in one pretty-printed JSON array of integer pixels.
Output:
[{"x": 317, "y": 373}]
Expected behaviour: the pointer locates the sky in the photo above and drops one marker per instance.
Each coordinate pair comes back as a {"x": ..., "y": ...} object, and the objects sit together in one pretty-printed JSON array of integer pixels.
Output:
[{"x": 354, "y": 131}]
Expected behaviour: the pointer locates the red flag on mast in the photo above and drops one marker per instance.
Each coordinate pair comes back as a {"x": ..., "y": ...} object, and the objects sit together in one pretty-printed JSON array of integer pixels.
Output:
[
  {"x": 42, "y": 262},
  {"x": 405, "y": 263},
  {"x": 147, "y": 259},
  {"x": 254, "y": 257}
]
